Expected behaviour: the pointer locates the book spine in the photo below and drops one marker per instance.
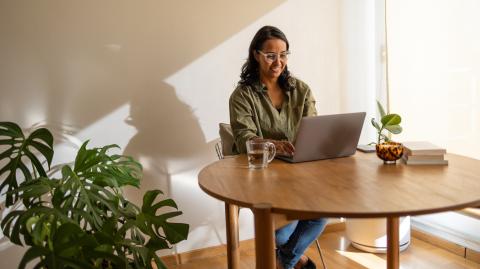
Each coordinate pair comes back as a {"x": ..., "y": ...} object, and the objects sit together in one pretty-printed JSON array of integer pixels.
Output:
[
  {"x": 425, "y": 162},
  {"x": 439, "y": 157}
]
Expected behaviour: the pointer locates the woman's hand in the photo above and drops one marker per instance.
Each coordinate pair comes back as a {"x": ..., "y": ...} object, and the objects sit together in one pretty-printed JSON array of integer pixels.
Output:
[{"x": 283, "y": 147}]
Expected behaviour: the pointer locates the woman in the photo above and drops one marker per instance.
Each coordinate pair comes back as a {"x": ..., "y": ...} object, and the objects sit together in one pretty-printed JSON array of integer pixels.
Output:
[{"x": 268, "y": 105}]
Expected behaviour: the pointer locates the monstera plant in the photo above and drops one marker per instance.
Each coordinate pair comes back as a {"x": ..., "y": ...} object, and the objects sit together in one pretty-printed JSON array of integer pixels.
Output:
[{"x": 78, "y": 217}]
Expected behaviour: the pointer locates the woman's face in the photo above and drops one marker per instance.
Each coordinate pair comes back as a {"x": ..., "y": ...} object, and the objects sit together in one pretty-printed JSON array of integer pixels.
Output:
[{"x": 272, "y": 58}]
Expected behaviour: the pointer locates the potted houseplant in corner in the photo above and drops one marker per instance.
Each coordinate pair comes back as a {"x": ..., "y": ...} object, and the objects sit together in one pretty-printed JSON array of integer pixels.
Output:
[
  {"x": 78, "y": 218},
  {"x": 386, "y": 149}
]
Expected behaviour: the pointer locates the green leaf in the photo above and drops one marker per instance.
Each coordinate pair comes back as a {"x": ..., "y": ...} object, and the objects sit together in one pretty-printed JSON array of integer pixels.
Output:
[
  {"x": 42, "y": 135},
  {"x": 42, "y": 140},
  {"x": 157, "y": 244},
  {"x": 45, "y": 150},
  {"x": 150, "y": 222},
  {"x": 15, "y": 224},
  {"x": 176, "y": 232},
  {"x": 17, "y": 156},
  {"x": 31, "y": 254},
  {"x": 35, "y": 162},
  {"x": 148, "y": 199},
  {"x": 394, "y": 129},
  {"x": 391, "y": 119},
  {"x": 10, "y": 129},
  {"x": 7, "y": 228},
  {"x": 380, "y": 109},
  {"x": 375, "y": 124},
  {"x": 84, "y": 200},
  {"x": 29, "y": 191},
  {"x": 107, "y": 170},
  {"x": 81, "y": 155},
  {"x": 167, "y": 202}
]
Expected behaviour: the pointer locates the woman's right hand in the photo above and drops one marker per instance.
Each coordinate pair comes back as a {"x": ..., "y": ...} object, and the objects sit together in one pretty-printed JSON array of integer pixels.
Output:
[{"x": 284, "y": 148}]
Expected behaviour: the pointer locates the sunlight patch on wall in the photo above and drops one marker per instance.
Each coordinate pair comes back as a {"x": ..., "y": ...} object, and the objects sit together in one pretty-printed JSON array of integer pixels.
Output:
[
  {"x": 206, "y": 84},
  {"x": 110, "y": 129}
]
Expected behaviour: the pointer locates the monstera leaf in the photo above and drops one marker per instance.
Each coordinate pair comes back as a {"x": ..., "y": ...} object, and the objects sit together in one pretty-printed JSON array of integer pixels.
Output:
[
  {"x": 151, "y": 222},
  {"x": 156, "y": 225},
  {"x": 20, "y": 153},
  {"x": 87, "y": 192},
  {"x": 106, "y": 170}
]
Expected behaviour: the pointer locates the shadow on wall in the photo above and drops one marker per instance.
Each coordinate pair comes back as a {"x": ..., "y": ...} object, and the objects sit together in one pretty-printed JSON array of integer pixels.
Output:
[{"x": 169, "y": 139}]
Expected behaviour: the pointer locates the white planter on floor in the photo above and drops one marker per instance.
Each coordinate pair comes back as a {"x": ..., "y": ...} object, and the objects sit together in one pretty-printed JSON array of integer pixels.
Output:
[{"x": 371, "y": 234}]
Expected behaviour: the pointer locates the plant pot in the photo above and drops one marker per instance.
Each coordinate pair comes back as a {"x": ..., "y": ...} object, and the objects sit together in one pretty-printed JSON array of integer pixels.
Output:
[{"x": 389, "y": 152}]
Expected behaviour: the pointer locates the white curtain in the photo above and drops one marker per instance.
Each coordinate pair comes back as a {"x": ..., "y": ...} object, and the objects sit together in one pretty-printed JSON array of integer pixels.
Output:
[
  {"x": 362, "y": 58},
  {"x": 434, "y": 60},
  {"x": 434, "y": 71}
]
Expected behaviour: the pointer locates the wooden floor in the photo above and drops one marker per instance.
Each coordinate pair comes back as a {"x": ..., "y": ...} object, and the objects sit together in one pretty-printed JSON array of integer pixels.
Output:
[{"x": 340, "y": 255}]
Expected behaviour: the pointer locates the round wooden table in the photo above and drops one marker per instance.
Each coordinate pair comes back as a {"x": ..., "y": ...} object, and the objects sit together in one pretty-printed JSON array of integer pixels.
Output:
[{"x": 360, "y": 186}]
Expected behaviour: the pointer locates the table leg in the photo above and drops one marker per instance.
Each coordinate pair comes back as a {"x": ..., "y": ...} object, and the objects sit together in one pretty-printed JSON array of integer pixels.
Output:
[
  {"x": 233, "y": 243},
  {"x": 264, "y": 237},
  {"x": 393, "y": 243}
]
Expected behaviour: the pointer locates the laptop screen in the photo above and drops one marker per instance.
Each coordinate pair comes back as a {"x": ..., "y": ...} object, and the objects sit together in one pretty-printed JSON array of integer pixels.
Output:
[{"x": 327, "y": 136}]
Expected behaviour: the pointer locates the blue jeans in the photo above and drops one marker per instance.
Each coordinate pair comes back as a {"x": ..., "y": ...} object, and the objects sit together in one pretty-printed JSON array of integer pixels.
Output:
[{"x": 293, "y": 239}]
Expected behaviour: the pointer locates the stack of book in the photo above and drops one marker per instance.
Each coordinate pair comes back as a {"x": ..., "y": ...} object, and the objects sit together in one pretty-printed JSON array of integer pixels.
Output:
[{"x": 423, "y": 153}]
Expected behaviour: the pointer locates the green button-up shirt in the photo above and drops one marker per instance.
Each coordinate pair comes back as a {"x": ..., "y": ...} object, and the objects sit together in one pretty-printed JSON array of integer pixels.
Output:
[{"x": 252, "y": 113}]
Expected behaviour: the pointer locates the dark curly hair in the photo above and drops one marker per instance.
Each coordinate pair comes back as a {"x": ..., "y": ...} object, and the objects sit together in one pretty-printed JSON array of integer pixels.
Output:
[{"x": 250, "y": 72}]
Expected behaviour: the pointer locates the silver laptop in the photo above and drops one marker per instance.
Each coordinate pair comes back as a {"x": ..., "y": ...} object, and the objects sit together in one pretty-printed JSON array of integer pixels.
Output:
[{"x": 326, "y": 137}]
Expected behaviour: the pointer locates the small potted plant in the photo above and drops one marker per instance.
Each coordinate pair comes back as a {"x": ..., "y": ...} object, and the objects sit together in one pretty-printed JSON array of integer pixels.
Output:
[
  {"x": 386, "y": 149},
  {"x": 78, "y": 217}
]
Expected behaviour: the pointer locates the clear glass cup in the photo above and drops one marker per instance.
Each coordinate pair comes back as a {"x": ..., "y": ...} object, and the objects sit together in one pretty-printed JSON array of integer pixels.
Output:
[{"x": 260, "y": 153}]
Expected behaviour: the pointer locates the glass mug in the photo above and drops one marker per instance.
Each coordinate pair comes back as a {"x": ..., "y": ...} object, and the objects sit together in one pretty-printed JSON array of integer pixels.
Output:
[{"x": 260, "y": 153}]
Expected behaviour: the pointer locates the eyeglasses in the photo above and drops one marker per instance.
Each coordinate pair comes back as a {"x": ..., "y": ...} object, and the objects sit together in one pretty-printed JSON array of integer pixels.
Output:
[{"x": 271, "y": 57}]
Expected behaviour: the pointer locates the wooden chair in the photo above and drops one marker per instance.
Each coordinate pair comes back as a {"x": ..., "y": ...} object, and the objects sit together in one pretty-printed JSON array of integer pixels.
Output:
[{"x": 225, "y": 148}]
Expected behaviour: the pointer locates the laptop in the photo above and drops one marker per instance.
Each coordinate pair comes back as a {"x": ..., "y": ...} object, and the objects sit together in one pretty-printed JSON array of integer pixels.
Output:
[{"x": 326, "y": 137}]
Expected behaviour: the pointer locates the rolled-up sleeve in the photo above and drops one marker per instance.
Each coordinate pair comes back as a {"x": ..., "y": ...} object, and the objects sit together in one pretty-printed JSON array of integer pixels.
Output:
[
  {"x": 309, "y": 105},
  {"x": 242, "y": 120}
]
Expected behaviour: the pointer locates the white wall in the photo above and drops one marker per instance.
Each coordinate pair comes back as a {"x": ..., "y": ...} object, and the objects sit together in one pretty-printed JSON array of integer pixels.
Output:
[{"x": 155, "y": 77}]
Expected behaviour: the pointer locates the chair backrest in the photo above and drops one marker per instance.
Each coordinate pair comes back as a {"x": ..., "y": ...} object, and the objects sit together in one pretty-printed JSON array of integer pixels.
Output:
[{"x": 225, "y": 147}]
